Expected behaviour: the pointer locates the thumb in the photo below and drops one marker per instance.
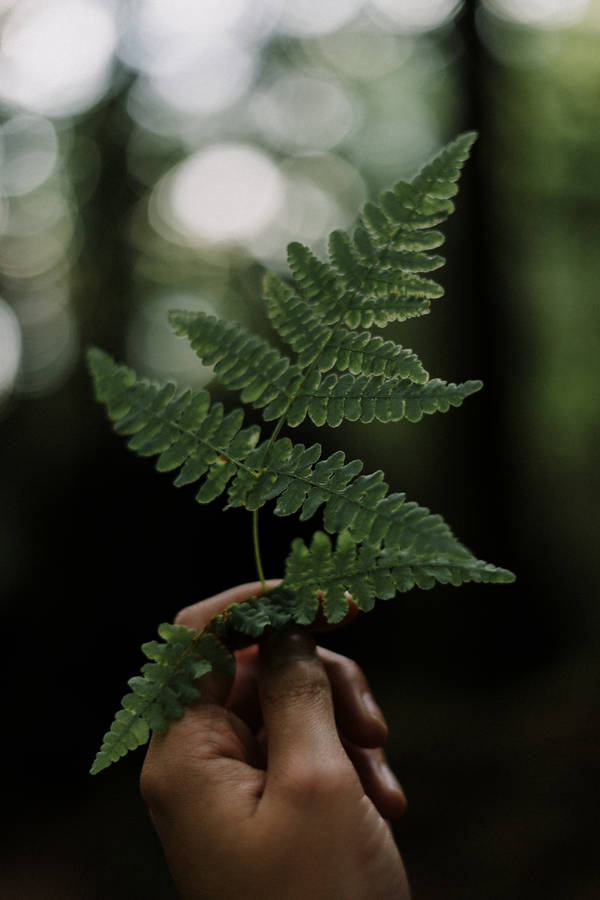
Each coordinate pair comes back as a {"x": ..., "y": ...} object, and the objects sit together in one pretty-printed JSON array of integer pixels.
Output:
[{"x": 297, "y": 707}]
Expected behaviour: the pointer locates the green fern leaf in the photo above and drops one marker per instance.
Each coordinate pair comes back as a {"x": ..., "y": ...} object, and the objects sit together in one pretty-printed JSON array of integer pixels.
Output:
[
  {"x": 127, "y": 732},
  {"x": 209, "y": 445},
  {"x": 364, "y": 399},
  {"x": 295, "y": 319},
  {"x": 191, "y": 433},
  {"x": 375, "y": 572},
  {"x": 362, "y": 353},
  {"x": 420, "y": 204},
  {"x": 304, "y": 483},
  {"x": 438, "y": 178},
  {"x": 241, "y": 360},
  {"x": 385, "y": 544},
  {"x": 187, "y": 432},
  {"x": 316, "y": 281},
  {"x": 330, "y": 400},
  {"x": 365, "y": 354},
  {"x": 167, "y": 683},
  {"x": 374, "y": 277},
  {"x": 253, "y": 616}
]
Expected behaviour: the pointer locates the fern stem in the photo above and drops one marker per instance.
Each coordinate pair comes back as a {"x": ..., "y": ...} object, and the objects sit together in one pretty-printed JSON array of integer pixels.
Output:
[
  {"x": 282, "y": 419},
  {"x": 257, "y": 557}
]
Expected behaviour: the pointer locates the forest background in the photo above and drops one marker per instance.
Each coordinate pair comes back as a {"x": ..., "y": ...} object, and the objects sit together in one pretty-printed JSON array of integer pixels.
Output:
[{"x": 160, "y": 154}]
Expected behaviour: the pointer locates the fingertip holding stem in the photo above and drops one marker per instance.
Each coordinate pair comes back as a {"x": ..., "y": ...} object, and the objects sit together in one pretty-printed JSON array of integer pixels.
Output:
[
  {"x": 287, "y": 645},
  {"x": 321, "y": 622}
]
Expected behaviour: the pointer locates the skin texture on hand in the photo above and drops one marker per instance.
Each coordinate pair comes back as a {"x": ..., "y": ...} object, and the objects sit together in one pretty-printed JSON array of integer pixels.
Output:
[{"x": 274, "y": 786}]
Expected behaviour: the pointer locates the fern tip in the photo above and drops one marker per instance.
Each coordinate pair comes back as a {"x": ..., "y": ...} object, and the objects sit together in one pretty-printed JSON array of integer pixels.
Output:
[
  {"x": 98, "y": 765},
  {"x": 94, "y": 357},
  {"x": 268, "y": 279},
  {"x": 179, "y": 319},
  {"x": 506, "y": 576}
]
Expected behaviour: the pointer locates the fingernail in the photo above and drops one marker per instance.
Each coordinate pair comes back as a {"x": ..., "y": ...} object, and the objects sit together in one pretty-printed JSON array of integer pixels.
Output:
[
  {"x": 281, "y": 647},
  {"x": 371, "y": 707}
]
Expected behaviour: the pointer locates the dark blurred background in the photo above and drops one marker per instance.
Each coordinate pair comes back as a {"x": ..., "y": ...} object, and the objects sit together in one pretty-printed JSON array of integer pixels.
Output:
[{"x": 160, "y": 154}]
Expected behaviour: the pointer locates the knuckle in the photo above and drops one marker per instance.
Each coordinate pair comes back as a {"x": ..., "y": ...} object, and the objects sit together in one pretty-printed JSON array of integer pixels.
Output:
[
  {"x": 182, "y": 755},
  {"x": 319, "y": 785},
  {"x": 165, "y": 773}
]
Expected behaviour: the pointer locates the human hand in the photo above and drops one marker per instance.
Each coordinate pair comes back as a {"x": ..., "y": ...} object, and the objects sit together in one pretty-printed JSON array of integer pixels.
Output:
[{"x": 274, "y": 786}]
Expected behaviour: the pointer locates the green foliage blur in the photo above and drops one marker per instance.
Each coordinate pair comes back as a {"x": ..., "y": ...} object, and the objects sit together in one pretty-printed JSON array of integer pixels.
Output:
[{"x": 160, "y": 154}]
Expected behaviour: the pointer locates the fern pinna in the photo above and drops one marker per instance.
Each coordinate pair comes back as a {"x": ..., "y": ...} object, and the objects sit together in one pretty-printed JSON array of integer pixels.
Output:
[{"x": 341, "y": 371}]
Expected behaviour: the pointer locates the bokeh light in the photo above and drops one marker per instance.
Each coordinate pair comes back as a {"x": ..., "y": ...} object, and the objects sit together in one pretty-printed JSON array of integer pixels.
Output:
[
  {"x": 38, "y": 234},
  {"x": 50, "y": 341},
  {"x": 417, "y": 15},
  {"x": 210, "y": 82},
  {"x": 312, "y": 17},
  {"x": 56, "y": 55},
  {"x": 29, "y": 148},
  {"x": 227, "y": 192},
  {"x": 539, "y": 13},
  {"x": 322, "y": 192},
  {"x": 305, "y": 111},
  {"x": 40, "y": 210},
  {"x": 162, "y": 36},
  {"x": 363, "y": 54},
  {"x": 10, "y": 350},
  {"x": 307, "y": 213},
  {"x": 155, "y": 351}
]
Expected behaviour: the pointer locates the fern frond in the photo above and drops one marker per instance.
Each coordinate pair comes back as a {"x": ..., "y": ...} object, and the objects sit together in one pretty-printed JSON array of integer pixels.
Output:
[
  {"x": 390, "y": 299},
  {"x": 371, "y": 572},
  {"x": 419, "y": 204},
  {"x": 167, "y": 683},
  {"x": 186, "y": 432},
  {"x": 375, "y": 277},
  {"x": 191, "y": 434},
  {"x": 295, "y": 320},
  {"x": 127, "y": 732},
  {"x": 382, "y": 274},
  {"x": 366, "y": 354},
  {"x": 360, "y": 352},
  {"x": 316, "y": 281},
  {"x": 268, "y": 380},
  {"x": 241, "y": 360},
  {"x": 302, "y": 483},
  {"x": 273, "y": 609},
  {"x": 363, "y": 399},
  {"x": 315, "y": 577},
  {"x": 436, "y": 181},
  {"x": 385, "y": 543}
]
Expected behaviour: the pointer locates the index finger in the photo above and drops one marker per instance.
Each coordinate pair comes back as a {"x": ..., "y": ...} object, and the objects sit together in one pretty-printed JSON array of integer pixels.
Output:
[{"x": 198, "y": 615}]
